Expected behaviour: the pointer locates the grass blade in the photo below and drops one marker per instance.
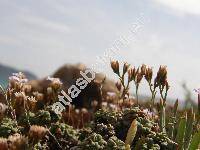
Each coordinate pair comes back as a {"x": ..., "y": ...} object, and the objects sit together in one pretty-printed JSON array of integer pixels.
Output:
[
  {"x": 189, "y": 128},
  {"x": 181, "y": 133},
  {"x": 131, "y": 132},
  {"x": 195, "y": 141}
]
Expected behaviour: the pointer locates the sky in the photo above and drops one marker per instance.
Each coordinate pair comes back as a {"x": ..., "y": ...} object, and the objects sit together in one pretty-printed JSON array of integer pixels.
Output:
[{"x": 42, "y": 35}]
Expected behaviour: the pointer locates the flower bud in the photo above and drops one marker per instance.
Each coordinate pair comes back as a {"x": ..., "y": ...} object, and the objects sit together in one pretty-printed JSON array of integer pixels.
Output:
[
  {"x": 115, "y": 66},
  {"x": 119, "y": 86},
  {"x": 125, "y": 67},
  {"x": 139, "y": 78},
  {"x": 161, "y": 77},
  {"x": 148, "y": 74},
  {"x": 131, "y": 74},
  {"x": 143, "y": 69}
]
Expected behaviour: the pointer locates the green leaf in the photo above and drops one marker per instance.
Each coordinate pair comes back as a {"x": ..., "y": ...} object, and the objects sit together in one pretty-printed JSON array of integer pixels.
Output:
[
  {"x": 195, "y": 141},
  {"x": 181, "y": 133}
]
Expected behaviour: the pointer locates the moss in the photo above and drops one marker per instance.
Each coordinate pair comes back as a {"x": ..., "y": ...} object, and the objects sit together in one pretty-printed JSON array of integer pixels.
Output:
[
  {"x": 106, "y": 117},
  {"x": 42, "y": 117},
  {"x": 106, "y": 131},
  {"x": 115, "y": 144},
  {"x": 67, "y": 136},
  {"x": 84, "y": 133},
  {"x": 121, "y": 123},
  {"x": 93, "y": 142},
  {"x": 8, "y": 127}
]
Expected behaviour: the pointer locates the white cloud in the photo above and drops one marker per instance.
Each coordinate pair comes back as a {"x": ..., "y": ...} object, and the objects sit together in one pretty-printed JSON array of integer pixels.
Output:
[
  {"x": 45, "y": 23},
  {"x": 9, "y": 40},
  {"x": 183, "y": 6}
]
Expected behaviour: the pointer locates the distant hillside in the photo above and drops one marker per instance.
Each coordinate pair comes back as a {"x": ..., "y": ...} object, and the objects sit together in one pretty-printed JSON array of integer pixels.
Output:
[{"x": 6, "y": 71}]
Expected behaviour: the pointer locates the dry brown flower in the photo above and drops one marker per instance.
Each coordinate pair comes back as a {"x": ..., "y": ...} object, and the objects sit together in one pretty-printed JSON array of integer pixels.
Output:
[
  {"x": 17, "y": 80},
  {"x": 20, "y": 98},
  {"x": 38, "y": 96},
  {"x": 37, "y": 132},
  {"x": 3, "y": 144},
  {"x": 26, "y": 88},
  {"x": 17, "y": 142},
  {"x": 55, "y": 83}
]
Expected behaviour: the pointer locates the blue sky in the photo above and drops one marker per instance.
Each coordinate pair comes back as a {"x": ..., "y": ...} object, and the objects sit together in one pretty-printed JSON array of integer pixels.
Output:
[{"x": 42, "y": 35}]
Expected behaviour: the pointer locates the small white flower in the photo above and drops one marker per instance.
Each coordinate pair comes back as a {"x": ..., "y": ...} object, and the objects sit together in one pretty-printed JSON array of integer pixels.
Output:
[
  {"x": 55, "y": 82},
  {"x": 32, "y": 99},
  {"x": 18, "y": 77},
  {"x": 54, "y": 79},
  {"x": 14, "y": 78}
]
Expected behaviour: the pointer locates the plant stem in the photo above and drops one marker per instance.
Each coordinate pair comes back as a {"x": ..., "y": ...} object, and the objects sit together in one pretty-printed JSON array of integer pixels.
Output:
[
  {"x": 55, "y": 139},
  {"x": 162, "y": 117},
  {"x": 136, "y": 92}
]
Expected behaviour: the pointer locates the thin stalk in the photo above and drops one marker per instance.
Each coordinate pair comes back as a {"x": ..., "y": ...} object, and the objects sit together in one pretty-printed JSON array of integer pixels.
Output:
[
  {"x": 136, "y": 92},
  {"x": 153, "y": 93},
  {"x": 27, "y": 115},
  {"x": 55, "y": 139},
  {"x": 162, "y": 119}
]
